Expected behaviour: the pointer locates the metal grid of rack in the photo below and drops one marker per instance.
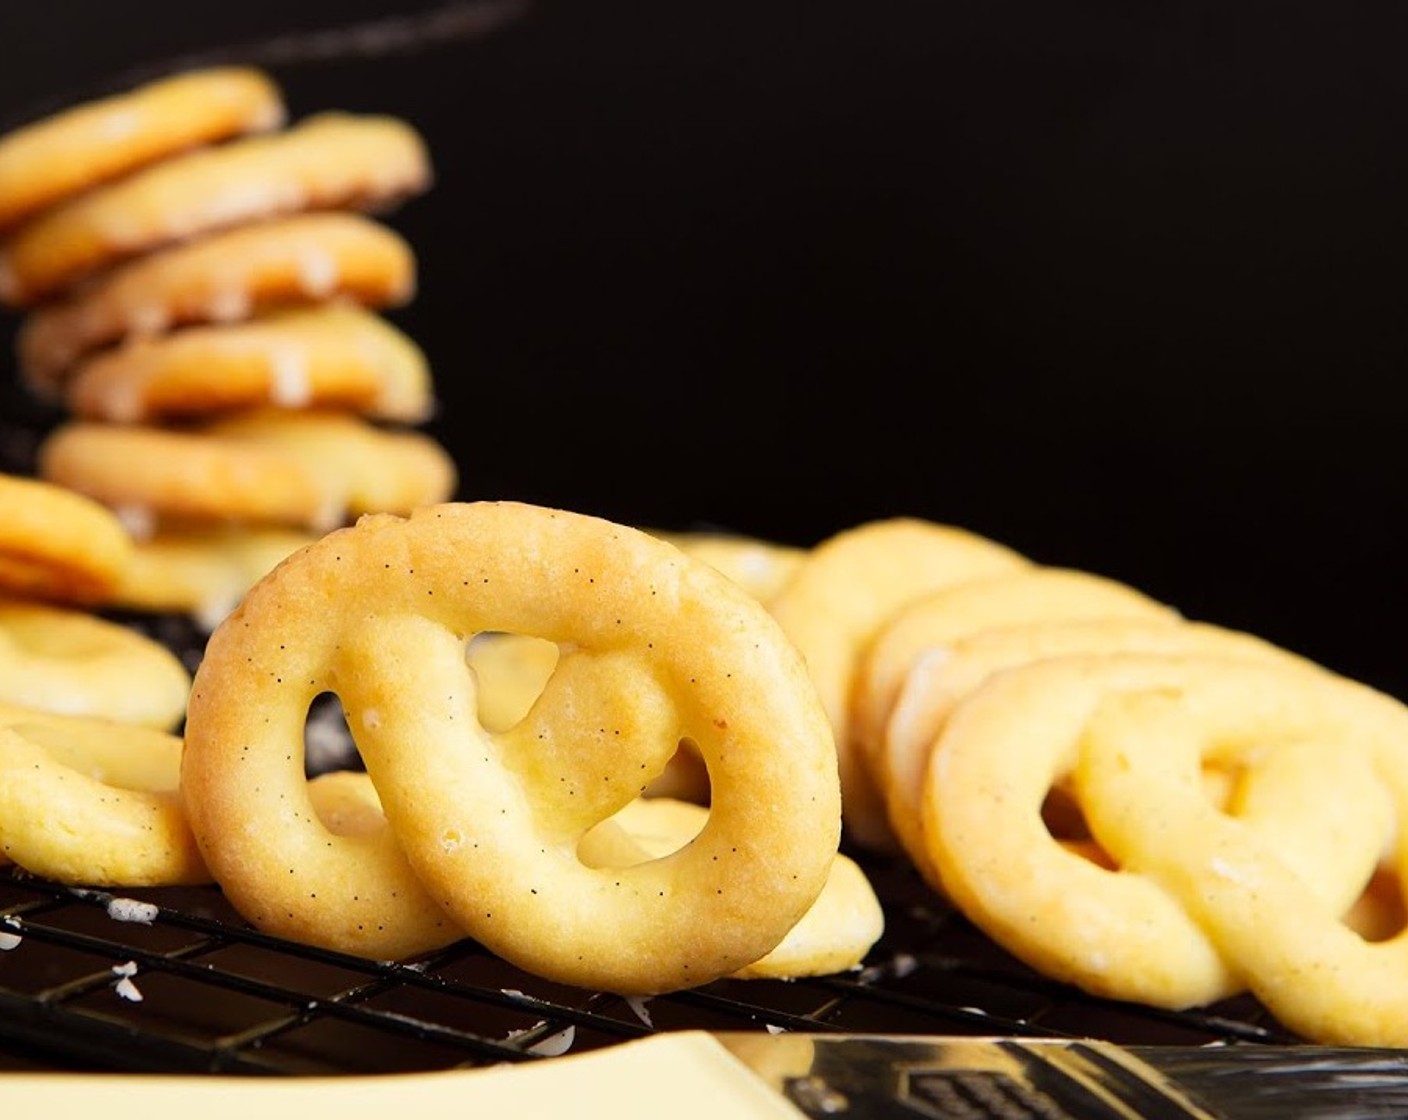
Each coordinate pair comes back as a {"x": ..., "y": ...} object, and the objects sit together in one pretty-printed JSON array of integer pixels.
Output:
[{"x": 190, "y": 987}]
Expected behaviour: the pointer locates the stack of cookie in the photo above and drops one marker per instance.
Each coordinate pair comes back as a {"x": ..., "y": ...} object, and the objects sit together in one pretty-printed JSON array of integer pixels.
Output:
[{"x": 201, "y": 285}]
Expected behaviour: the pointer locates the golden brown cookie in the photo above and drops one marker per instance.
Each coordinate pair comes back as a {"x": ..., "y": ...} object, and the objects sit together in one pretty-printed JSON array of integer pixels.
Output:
[
  {"x": 1203, "y": 898},
  {"x": 1115, "y": 930},
  {"x": 57, "y": 544},
  {"x": 64, "y": 660},
  {"x": 377, "y": 469},
  {"x": 53, "y": 159},
  {"x": 148, "y": 474},
  {"x": 328, "y": 161},
  {"x": 661, "y": 647},
  {"x": 226, "y": 277},
  {"x": 307, "y": 470},
  {"x": 1270, "y": 899},
  {"x": 336, "y": 355}
]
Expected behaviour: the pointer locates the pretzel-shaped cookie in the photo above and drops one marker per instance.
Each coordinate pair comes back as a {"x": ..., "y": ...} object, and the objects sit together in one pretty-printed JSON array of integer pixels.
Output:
[
  {"x": 660, "y": 647},
  {"x": 1317, "y": 975},
  {"x": 93, "y": 802},
  {"x": 942, "y": 677},
  {"x": 1121, "y": 933},
  {"x": 841, "y": 593},
  {"x": 306, "y": 470}
]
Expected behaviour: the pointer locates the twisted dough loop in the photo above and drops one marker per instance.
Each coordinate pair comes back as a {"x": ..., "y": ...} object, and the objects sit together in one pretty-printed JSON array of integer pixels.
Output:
[
  {"x": 1120, "y": 933},
  {"x": 1314, "y": 972},
  {"x": 334, "y": 355},
  {"x": 379, "y": 613},
  {"x": 941, "y": 678}
]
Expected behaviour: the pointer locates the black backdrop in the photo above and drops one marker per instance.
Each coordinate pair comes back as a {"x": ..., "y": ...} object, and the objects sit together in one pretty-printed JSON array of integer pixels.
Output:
[{"x": 1117, "y": 284}]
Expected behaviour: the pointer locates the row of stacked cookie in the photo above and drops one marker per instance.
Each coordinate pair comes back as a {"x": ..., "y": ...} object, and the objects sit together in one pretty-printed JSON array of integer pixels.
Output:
[{"x": 202, "y": 287}]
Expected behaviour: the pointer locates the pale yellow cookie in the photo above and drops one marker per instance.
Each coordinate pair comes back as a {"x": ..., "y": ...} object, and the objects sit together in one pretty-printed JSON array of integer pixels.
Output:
[
  {"x": 841, "y": 594},
  {"x": 328, "y": 161},
  {"x": 1204, "y": 899},
  {"x": 57, "y": 544},
  {"x": 93, "y": 802},
  {"x": 833, "y": 936},
  {"x": 940, "y": 678},
  {"x": 658, "y": 647},
  {"x": 335, "y": 355},
  {"x": 203, "y": 571},
  {"x": 226, "y": 277},
  {"x": 68, "y": 661},
  {"x": 63, "y": 155}
]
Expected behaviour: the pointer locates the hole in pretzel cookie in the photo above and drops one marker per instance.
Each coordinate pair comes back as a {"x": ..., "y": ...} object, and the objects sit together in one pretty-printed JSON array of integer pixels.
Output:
[
  {"x": 1380, "y": 912},
  {"x": 1065, "y": 820},
  {"x": 510, "y": 672},
  {"x": 1062, "y": 815},
  {"x": 685, "y": 777},
  {"x": 327, "y": 740},
  {"x": 645, "y": 829}
]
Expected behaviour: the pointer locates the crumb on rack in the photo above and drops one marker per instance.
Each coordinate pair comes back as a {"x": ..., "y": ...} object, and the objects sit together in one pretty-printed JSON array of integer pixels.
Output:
[{"x": 132, "y": 910}]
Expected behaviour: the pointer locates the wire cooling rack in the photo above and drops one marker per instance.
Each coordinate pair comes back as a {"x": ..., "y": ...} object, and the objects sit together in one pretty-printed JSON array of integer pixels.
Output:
[{"x": 173, "y": 980}]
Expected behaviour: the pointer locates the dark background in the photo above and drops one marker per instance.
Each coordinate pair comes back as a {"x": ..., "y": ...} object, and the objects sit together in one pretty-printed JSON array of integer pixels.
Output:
[{"x": 1120, "y": 285}]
